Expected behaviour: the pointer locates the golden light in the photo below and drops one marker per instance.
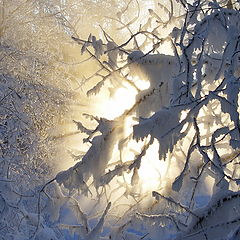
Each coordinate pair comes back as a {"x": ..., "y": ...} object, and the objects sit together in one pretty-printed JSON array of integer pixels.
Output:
[
  {"x": 152, "y": 169},
  {"x": 123, "y": 99},
  {"x": 110, "y": 103}
]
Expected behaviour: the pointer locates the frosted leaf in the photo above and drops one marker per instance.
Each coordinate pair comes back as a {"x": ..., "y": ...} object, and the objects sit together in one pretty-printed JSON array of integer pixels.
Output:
[
  {"x": 162, "y": 121},
  {"x": 112, "y": 54},
  {"x": 105, "y": 126},
  {"x": 72, "y": 179},
  {"x": 150, "y": 100},
  {"x": 96, "y": 89},
  {"x": 95, "y": 160},
  {"x": 63, "y": 176},
  {"x": 158, "y": 126},
  {"x": 98, "y": 47},
  {"x": 138, "y": 158},
  {"x": 82, "y": 128},
  {"x": 107, "y": 177},
  {"x": 97, "y": 157}
]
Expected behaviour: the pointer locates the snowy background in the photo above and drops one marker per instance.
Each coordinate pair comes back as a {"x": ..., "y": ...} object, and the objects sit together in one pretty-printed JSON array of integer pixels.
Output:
[{"x": 119, "y": 120}]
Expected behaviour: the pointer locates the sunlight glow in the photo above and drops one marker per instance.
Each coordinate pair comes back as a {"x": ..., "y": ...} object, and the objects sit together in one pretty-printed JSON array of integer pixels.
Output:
[
  {"x": 115, "y": 106},
  {"x": 142, "y": 85},
  {"x": 152, "y": 169}
]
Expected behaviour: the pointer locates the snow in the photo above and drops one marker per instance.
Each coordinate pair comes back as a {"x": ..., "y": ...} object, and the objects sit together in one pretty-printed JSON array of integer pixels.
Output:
[{"x": 163, "y": 163}]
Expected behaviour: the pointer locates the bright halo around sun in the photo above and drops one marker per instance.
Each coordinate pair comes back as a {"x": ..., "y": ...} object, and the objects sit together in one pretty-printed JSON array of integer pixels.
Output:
[
  {"x": 114, "y": 106},
  {"x": 152, "y": 170}
]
